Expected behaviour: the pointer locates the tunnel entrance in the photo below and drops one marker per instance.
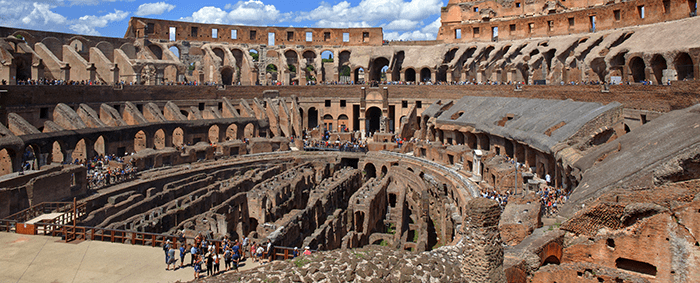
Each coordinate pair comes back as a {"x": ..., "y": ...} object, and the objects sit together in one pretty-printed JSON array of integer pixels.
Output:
[{"x": 373, "y": 117}]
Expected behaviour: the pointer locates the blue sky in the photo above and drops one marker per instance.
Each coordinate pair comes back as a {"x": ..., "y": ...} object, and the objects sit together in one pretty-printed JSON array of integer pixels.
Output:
[{"x": 401, "y": 19}]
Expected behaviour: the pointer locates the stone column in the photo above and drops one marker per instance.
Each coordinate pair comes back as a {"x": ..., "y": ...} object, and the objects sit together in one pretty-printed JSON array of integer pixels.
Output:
[
  {"x": 476, "y": 165},
  {"x": 482, "y": 248}
]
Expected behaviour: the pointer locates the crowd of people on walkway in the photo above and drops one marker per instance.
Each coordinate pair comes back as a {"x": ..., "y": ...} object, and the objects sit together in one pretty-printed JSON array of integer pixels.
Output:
[
  {"x": 101, "y": 171},
  {"x": 207, "y": 255},
  {"x": 58, "y": 82},
  {"x": 551, "y": 198}
]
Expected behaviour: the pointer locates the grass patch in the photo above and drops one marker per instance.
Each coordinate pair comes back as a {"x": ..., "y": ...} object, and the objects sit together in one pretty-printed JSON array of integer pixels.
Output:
[
  {"x": 301, "y": 262},
  {"x": 391, "y": 229}
]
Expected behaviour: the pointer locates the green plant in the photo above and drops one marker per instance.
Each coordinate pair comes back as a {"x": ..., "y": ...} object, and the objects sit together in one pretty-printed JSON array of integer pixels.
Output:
[
  {"x": 327, "y": 60},
  {"x": 292, "y": 68},
  {"x": 271, "y": 68},
  {"x": 384, "y": 243},
  {"x": 255, "y": 56},
  {"x": 301, "y": 262},
  {"x": 391, "y": 229}
]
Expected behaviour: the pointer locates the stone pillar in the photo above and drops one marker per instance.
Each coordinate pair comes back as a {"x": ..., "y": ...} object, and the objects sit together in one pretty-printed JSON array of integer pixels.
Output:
[
  {"x": 92, "y": 71},
  {"x": 433, "y": 76},
  {"x": 402, "y": 76},
  {"x": 389, "y": 75},
  {"x": 483, "y": 249},
  {"x": 449, "y": 77},
  {"x": 476, "y": 165}
]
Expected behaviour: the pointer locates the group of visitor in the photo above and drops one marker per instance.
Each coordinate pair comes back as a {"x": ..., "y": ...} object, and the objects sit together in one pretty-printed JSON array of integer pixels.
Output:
[
  {"x": 59, "y": 82},
  {"x": 107, "y": 170},
  {"x": 551, "y": 199},
  {"x": 207, "y": 255}
]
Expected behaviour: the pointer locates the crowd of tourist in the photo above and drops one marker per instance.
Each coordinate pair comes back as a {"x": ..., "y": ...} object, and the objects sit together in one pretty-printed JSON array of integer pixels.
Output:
[
  {"x": 58, "y": 82},
  {"x": 207, "y": 255},
  {"x": 101, "y": 173},
  {"x": 551, "y": 198}
]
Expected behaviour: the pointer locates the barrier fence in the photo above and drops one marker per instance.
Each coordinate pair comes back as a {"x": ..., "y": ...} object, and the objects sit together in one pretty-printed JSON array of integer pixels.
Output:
[{"x": 61, "y": 226}]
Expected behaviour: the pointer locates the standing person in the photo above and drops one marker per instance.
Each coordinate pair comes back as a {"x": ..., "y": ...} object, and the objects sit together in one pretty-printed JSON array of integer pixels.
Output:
[
  {"x": 227, "y": 259},
  {"x": 210, "y": 264},
  {"x": 295, "y": 253},
  {"x": 259, "y": 252},
  {"x": 171, "y": 258},
  {"x": 197, "y": 265},
  {"x": 166, "y": 247},
  {"x": 245, "y": 247},
  {"x": 183, "y": 251},
  {"x": 270, "y": 251},
  {"x": 193, "y": 251},
  {"x": 253, "y": 250},
  {"x": 217, "y": 263},
  {"x": 307, "y": 251}
]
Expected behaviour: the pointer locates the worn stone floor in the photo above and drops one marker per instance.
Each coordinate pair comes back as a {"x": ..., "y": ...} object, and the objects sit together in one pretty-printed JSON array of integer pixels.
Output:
[{"x": 28, "y": 258}]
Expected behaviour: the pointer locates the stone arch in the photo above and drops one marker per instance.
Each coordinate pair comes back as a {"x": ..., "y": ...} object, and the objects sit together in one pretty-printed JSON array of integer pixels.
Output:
[
  {"x": 57, "y": 155},
  {"x": 6, "y": 161},
  {"x": 344, "y": 74},
  {"x": 31, "y": 154},
  {"x": 232, "y": 132},
  {"x": 312, "y": 118},
  {"x": 176, "y": 51},
  {"x": 140, "y": 141},
  {"x": 327, "y": 58},
  {"x": 359, "y": 75},
  {"x": 410, "y": 75},
  {"x": 23, "y": 68},
  {"x": 271, "y": 72},
  {"x": 599, "y": 67},
  {"x": 159, "y": 139},
  {"x": 156, "y": 50},
  {"x": 178, "y": 137},
  {"x": 484, "y": 142},
  {"x": 107, "y": 49},
  {"x": 373, "y": 117},
  {"x": 425, "y": 74},
  {"x": 214, "y": 134},
  {"x": 249, "y": 131},
  {"x": 100, "y": 146},
  {"x": 129, "y": 49},
  {"x": 384, "y": 170},
  {"x": 684, "y": 66},
  {"x": 370, "y": 171},
  {"x": 80, "y": 151},
  {"x": 378, "y": 67},
  {"x": 170, "y": 73},
  {"x": 227, "y": 74},
  {"x": 658, "y": 65},
  {"x": 459, "y": 137},
  {"x": 54, "y": 45},
  {"x": 343, "y": 122},
  {"x": 328, "y": 122},
  {"x": 637, "y": 69},
  {"x": 78, "y": 45},
  {"x": 219, "y": 53},
  {"x": 441, "y": 75}
]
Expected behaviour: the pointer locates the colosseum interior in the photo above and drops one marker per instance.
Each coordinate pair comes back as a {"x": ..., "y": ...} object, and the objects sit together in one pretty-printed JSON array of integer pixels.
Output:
[{"x": 535, "y": 141}]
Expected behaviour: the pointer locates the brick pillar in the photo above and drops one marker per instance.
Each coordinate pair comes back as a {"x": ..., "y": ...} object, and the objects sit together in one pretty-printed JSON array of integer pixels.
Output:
[{"x": 482, "y": 250}]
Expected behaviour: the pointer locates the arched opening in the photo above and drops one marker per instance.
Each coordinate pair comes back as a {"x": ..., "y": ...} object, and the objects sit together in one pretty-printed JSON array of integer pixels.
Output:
[
  {"x": 214, "y": 134},
  {"x": 140, "y": 141},
  {"x": 328, "y": 122},
  {"x": 219, "y": 53},
  {"x": 100, "y": 146},
  {"x": 459, "y": 137},
  {"x": 5, "y": 161},
  {"x": 359, "y": 75},
  {"x": 292, "y": 60},
  {"x": 159, "y": 139},
  {"x": 170, "y": 74},
  {"x": 378, "y": 69},
  {"x": 384, "y": 170},
  {"x": 425, "y": 75},
  {"x": 344, "y": 74},
  {"x": 232, "y": 132},
  {"x": 370, "y": 171},
  {"x": 57, "y": 153},
  {"x": 637, "y": 67},
  {"x": 22, "y": 68},
  {"x": 30, "y": 158},
  {"x": 313, "y": 118},
  {"x": 326, "y": 64},
  {"x": 484, "y": 142},
  {"x": 551, "y": 260},
  {"x": 254, "y": 55},
  {"x": 157, "y": 51},
  {"x": 470, "y": 140},
  {"x": 271, "y": 74},
  {"x": 441, "y": 75},
  {"x": 309, "y": 58},
  {"x": 77, "y": 45},
  {"x": 249, "y": 131},
  {"x": 373, "y": 117},
  {"x": 510, "y": 148},
  {"x": 79, "y": 152},
  {"x": 176, "y": 51},
  {"x": 599, "y": 67},
  {"x": 410, "y": 75},
  {"x": 658, "y": 65},
  {"x": 178, "y": 137},
  {"x": 343, "y": 123},
  {"x": 684, "y": 67},
  {"x": 227, "y": 76}
]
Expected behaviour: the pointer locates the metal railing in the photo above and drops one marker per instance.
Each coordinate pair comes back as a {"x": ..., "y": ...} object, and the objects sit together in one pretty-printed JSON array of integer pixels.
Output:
[{"x": 45, "y": 208}]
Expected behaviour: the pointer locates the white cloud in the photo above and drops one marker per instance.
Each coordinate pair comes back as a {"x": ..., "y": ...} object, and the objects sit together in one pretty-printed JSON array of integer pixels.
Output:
[
  {"x": 373, "y": 12},
  {"x": 251, "y": 12},
  {"x": 401, "y": 25},
  {"x": 87, "y": 24},
  {"x": 42, "y": 15},
  {"x": 154, "y": 8},
  {"x": 428, "y": 32}
]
